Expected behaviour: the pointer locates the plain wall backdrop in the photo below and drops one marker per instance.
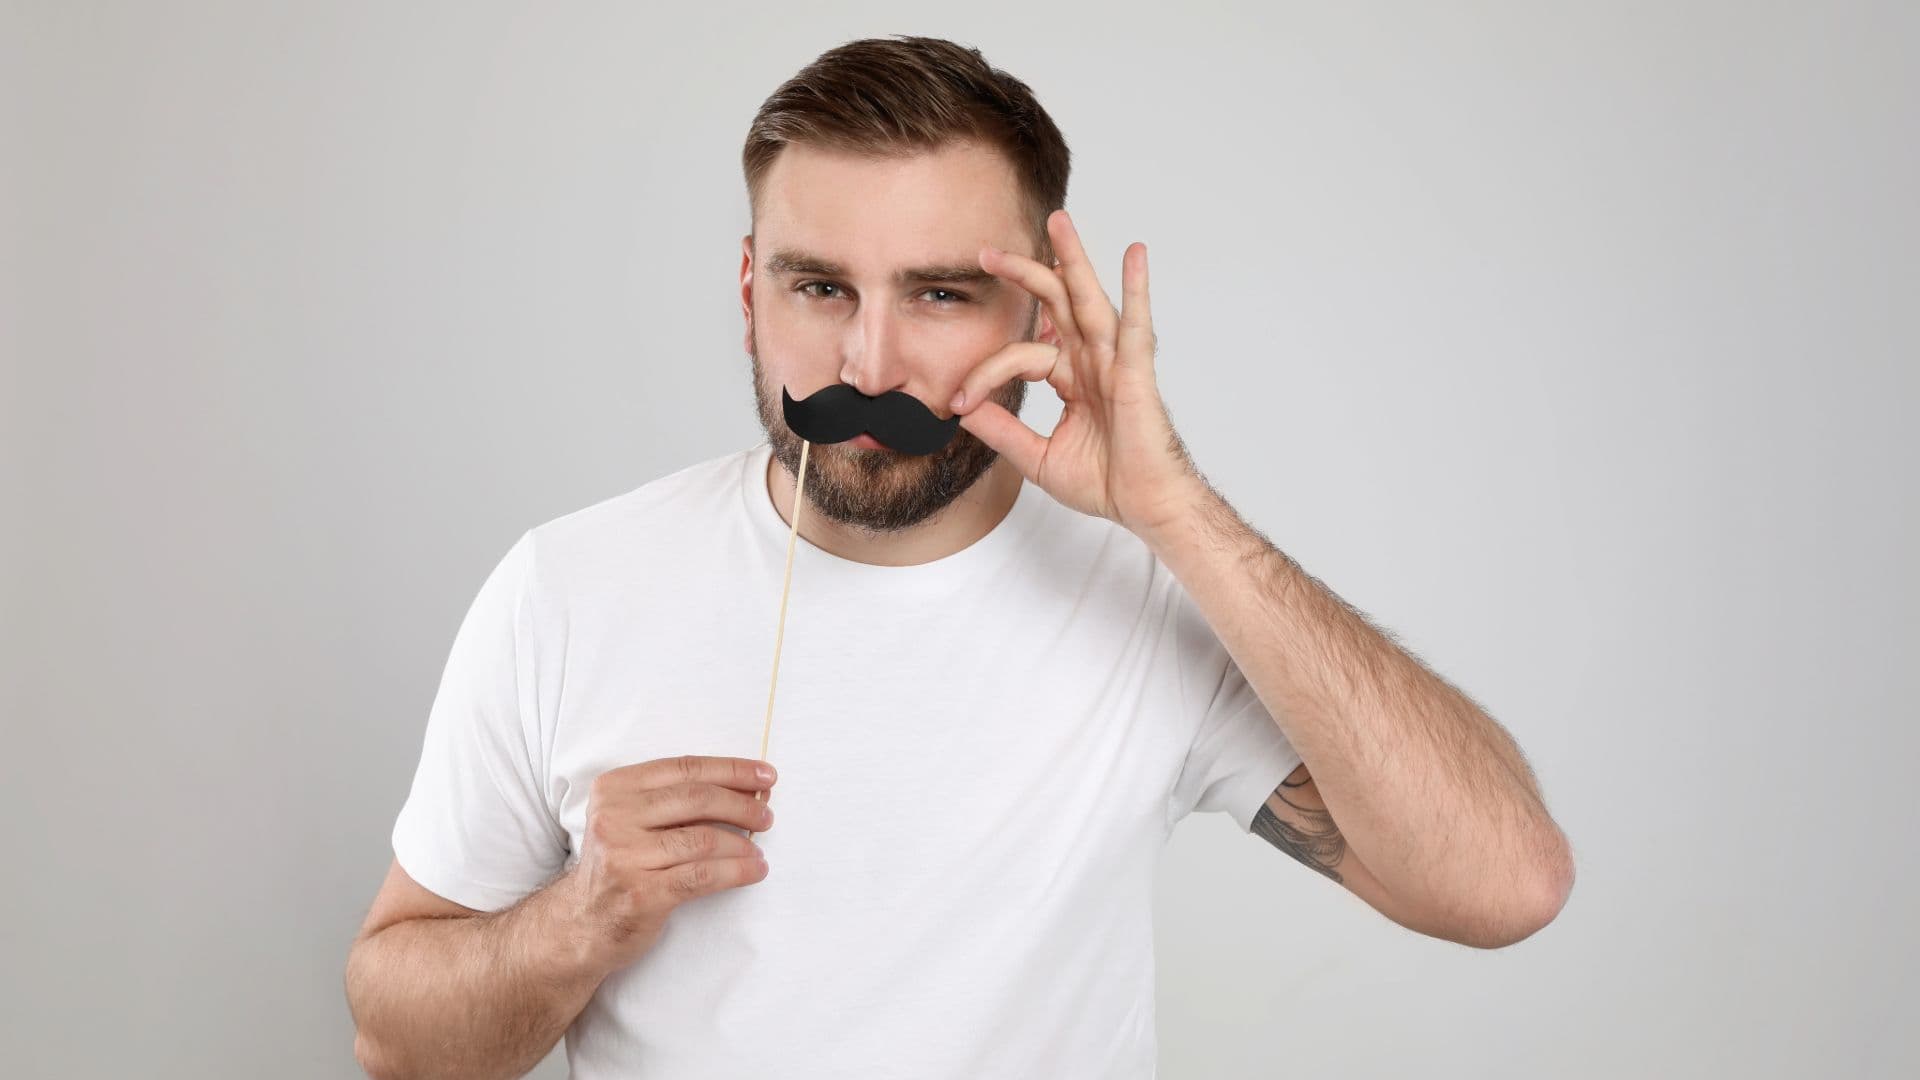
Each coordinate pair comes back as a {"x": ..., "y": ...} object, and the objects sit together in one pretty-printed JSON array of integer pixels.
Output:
[{"x": 1577, "y": 345}]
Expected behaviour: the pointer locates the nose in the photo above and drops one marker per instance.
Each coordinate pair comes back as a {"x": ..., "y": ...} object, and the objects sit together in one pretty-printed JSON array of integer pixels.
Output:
[{"x": 871, "y": 356}]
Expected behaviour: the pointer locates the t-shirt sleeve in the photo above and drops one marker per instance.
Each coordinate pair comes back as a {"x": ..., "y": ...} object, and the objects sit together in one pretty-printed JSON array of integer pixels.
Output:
[
  {"x": 1238, "y": 755},
  {"x": 475, "y": 827}
]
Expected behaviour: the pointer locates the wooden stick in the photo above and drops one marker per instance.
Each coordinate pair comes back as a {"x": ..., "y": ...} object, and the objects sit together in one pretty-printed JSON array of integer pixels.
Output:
[{"x": 780, "y": 632}]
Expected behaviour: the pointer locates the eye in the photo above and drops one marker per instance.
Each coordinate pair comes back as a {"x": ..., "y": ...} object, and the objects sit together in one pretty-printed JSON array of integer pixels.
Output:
[
  {"x": 951, "y": 298},
  {"x": 805, "y": 285}
]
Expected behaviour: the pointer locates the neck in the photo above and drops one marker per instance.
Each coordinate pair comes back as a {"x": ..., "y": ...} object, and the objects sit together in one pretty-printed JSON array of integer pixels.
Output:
[{"x": 965, "y": 520}]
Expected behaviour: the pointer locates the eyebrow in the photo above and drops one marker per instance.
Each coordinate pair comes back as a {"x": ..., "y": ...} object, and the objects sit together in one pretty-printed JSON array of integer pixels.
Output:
[{"x": 792, "y": 261}]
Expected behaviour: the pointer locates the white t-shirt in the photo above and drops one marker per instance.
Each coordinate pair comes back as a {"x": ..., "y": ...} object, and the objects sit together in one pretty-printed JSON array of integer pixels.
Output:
[{"x": 981, "y": 759}]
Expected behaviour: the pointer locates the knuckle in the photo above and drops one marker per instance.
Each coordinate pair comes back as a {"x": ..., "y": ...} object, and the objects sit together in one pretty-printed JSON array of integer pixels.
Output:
[
  {"x": 692, "y": 879},
  {"x": 679, "y": 799},
  {"x": 686, "y": 843},
  {"x": 673, "y": 844},
  {"x": 687, "y": 766},
  {"x": 652, "y": 801},
  {"x": 692, "y": 797},
  {"x": 599, "y": 831}
]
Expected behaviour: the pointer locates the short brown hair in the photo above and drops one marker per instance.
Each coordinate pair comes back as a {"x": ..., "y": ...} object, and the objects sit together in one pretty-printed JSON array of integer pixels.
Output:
[{"x": 907, "y": 95}]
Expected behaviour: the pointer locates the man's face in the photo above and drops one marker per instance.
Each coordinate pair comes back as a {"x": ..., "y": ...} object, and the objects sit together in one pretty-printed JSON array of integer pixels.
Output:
[{"x": 828, "y": 297}]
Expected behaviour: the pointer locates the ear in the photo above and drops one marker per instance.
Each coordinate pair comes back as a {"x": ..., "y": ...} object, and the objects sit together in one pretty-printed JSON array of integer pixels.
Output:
[
  {"x": 746, "y": 290},
  {"x": 1045, "y": 331}
]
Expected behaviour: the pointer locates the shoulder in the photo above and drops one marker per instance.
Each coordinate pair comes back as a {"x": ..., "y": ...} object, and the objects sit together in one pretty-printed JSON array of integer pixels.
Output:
[{"x": 639, "y": 527}]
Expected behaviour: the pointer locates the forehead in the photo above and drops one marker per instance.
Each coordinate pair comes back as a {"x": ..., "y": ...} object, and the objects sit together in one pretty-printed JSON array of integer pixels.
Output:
[{"x": 874, "y": 213}]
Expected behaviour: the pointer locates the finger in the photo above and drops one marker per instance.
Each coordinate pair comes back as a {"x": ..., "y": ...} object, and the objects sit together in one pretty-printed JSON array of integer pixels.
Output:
[
  {"x": 1136, "y": 338},
  {"x": 1092, "y": 311},
  {"x": 1041, "y": 281},
  {"x": 1007, "y": 434},
  {"x": 733, "y": 772},
  {"x": 695, "y": 879},
  {"x": 1029, "y": 360},
  {"x": 685, "y": 804},
  {"x": 671, "y": 847}
]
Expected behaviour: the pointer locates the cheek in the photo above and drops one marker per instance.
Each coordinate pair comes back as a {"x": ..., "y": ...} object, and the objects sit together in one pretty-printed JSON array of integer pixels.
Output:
[
  {"x": 778, "y": 308},
  {"x": 967, "y": 341},
  {"x": 790, "y": 334}
]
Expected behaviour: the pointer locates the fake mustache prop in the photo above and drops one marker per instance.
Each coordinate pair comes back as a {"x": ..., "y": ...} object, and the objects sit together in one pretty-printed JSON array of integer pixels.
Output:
[
  {"x": 839, "y": 412},
  {"x": 835, "y": 414}
]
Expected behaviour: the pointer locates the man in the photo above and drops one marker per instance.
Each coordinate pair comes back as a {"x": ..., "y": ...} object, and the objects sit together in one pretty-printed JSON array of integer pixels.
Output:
[{"x": 1012, "y": 666}]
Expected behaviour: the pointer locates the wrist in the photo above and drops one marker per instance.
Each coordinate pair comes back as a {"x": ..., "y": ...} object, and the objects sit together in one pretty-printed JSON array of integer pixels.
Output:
[
  {"x": 558, "y": 938},
  {"x": 1183, "y": 514}
]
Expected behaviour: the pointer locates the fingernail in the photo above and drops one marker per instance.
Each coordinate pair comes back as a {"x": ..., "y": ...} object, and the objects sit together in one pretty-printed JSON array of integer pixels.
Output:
[
  {"x": 959, "y": 399},
  {"x": 766, "y": 773}
]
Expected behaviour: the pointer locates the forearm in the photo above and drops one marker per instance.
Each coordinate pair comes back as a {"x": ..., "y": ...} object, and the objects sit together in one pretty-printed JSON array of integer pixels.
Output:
[
  {"x": 480, "y": 996},
  {"x": 1430, "y": 793}
]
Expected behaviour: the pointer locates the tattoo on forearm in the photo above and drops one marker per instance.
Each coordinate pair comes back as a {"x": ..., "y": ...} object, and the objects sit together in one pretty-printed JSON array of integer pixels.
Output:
[{"x": 1315, "y": 841}]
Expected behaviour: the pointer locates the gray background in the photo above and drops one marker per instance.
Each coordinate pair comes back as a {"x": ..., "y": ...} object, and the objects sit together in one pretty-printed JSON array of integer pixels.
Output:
[{"x": 1575, "y": 345}]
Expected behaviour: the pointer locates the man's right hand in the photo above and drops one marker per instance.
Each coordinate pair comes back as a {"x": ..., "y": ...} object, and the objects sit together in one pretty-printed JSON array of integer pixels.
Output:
[{"x": 654, "y": 840}]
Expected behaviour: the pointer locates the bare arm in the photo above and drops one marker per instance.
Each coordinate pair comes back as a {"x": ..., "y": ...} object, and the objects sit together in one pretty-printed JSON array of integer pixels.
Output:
[
  {"x": 1430, "y": 793},
  {"x": 467, "y": 993},
  {"x": 1295, "y": 819},
  {"x": 437, "y": 989}
]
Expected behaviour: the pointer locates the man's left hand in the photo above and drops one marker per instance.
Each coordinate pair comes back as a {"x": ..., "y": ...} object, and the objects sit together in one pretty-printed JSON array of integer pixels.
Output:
[{"x": 1114, "y": 453}]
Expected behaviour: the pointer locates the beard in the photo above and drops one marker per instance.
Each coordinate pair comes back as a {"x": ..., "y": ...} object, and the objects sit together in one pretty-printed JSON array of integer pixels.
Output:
[{"x": 879, "y": 491}]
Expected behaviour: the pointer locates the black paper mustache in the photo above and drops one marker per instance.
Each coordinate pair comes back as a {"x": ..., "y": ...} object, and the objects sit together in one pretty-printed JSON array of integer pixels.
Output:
[{"x": 839, "y": 412}]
